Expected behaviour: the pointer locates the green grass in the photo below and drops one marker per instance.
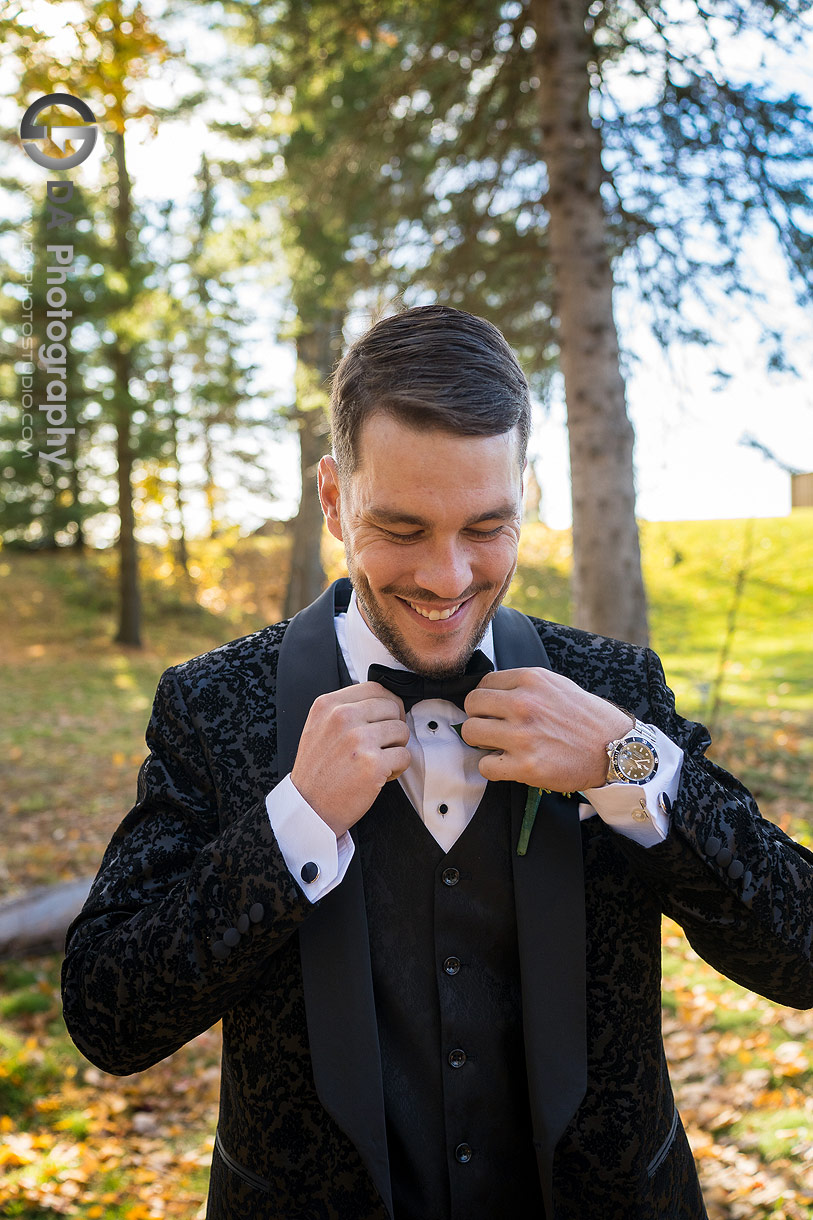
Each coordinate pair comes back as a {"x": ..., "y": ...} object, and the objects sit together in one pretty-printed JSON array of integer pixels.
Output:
[
  {"x": 72, "y": 739},
  {"x": 773, "y": 1134}
]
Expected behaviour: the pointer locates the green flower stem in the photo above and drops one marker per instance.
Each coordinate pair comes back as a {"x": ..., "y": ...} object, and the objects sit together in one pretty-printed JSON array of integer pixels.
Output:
[{"x": 528, "y": 818}]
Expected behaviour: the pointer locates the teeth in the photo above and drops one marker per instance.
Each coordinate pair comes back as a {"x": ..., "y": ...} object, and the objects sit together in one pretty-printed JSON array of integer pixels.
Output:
[{"x": 435, "y": 615}]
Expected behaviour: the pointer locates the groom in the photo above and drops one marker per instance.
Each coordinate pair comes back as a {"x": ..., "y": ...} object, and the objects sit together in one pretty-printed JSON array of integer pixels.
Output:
[{"x": 427, "y": 1012}]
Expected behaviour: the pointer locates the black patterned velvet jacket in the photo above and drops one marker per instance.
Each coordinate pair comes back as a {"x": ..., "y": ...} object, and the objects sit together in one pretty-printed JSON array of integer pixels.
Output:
[{"x": 194, "y": 917}]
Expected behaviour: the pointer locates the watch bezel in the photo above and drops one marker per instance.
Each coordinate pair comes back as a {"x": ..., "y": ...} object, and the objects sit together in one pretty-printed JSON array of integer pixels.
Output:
[{"x": 630, "y": 738}]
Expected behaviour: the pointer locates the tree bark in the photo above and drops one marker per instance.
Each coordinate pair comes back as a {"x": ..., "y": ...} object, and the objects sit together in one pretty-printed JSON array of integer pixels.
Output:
[
  {"x": 181, "y": 553},
  {"x": 316, "y": 349},
  {"x": 35, "y": 923},
  {"x": 129, "y": 630},
  {"x": 608, "y": 589}
]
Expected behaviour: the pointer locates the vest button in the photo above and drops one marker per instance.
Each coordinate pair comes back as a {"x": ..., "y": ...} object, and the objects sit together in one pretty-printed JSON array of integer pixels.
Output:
[
  {"x": 457, "y": 1058},
  {"x": 450, "y": 876},
  {"x": 451, "y": 965},
  {"x": 463, "y": 1153}
]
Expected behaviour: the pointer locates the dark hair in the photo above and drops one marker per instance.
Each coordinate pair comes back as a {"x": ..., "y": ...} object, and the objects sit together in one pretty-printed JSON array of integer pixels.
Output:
[{"x": 429, "y": 367}]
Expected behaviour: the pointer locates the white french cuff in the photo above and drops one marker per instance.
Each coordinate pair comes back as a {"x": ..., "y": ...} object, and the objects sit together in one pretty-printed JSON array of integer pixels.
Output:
[
  {"x": 641, "y": 811},
  {"x": 305, "y": 840}
]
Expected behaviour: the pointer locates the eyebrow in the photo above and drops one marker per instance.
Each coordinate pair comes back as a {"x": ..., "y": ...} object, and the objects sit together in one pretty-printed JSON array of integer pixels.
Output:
[{"x": 393, "y": 516}]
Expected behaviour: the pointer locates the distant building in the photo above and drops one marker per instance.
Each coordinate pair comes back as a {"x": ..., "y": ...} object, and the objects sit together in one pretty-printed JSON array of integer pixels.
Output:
[{"x": 801, "y": 491}]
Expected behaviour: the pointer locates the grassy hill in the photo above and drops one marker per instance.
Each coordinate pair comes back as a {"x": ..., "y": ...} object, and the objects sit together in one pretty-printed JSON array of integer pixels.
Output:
[
  {"x": 731, "y": 617},
  {"x": 731, "y": 611}
]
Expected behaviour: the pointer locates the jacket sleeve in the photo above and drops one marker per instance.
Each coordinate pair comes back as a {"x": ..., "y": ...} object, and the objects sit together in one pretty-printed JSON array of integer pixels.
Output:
[
  {"x": 182, "y": 915},
  {"x": 741, "y": 889}
]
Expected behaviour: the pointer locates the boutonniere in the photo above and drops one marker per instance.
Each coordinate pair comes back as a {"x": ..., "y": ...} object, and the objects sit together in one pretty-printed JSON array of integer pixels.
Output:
[
  {"x": 529, "y": 817},
  {"x": 531, "y": 806}
]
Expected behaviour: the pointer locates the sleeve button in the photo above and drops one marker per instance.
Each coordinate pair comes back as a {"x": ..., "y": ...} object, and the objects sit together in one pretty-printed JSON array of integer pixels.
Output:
[
  {"x": 724, "y": 857},
  {"x": 309, "y": 872},
  {"x": 256, "y": 913},
  {"x": 243, "y": 924},
  {"x": 231, "y": 937},
  {"x": 736, "y": 869},
  {"x": 220, "y": 950},
  {"x": 713, "y": 845}
]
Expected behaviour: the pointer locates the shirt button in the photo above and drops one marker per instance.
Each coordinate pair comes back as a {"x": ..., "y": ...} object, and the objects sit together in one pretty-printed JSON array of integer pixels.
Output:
[
  {"x": 443, "y": 809},
  {"x": 450, "y": 876},
  {"x": 463, "y": 1153},
  {"x": 432, "y": 726},
  {"x": 457, "y": 1057},
  {"x": 451, "y": 965}
]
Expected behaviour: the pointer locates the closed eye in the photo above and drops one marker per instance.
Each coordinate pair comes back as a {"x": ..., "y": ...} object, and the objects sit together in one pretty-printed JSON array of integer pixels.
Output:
[
  {"x": 410, "y": 537},
  {"x": 486, "y": 533}
]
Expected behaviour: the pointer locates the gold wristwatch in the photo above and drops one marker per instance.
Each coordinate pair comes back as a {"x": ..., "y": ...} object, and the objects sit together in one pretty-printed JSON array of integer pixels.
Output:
[{"x": 633, "y": 757}]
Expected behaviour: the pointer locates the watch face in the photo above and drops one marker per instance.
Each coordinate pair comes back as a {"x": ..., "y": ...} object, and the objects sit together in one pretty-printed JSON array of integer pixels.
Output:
[{"x": 636, "y": 761}]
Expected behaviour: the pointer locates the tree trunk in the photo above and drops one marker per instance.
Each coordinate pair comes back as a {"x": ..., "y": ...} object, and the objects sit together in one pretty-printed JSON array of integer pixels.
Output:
[
  {"x": 316, "y": 349},
  {"x": 79, "y": 536},
  {"x": 210, "y": 487},
  {"x": 129, "y": 631},
  {"x": 608, "y": 589},
  {"x": 181, "y": 553},
  {"x": 35, "y": 923}
]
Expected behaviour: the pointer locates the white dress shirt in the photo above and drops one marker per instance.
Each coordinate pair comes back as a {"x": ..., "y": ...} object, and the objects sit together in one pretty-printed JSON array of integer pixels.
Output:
[{"x": 443, "y": 782}]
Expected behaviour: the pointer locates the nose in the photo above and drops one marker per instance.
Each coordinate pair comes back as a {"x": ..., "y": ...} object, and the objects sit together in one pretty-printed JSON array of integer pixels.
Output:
[{"x": 444, "y": 568}]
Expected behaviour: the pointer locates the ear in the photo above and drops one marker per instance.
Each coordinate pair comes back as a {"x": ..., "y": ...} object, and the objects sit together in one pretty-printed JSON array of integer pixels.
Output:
[{"x": 330, "y": 495}]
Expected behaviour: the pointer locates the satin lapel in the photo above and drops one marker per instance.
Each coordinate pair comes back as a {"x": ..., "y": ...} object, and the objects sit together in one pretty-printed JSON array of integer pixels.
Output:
[
  {"x": 333, "y": 940},
  {"x": 549, "y": 896}
]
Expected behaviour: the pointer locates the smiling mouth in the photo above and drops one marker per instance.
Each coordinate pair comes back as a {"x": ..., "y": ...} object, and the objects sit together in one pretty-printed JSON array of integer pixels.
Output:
[{"x": 434, "y": 615}]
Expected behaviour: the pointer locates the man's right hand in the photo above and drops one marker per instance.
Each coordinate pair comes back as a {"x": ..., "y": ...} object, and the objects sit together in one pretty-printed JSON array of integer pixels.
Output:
[{"x": 354, "y": 740}]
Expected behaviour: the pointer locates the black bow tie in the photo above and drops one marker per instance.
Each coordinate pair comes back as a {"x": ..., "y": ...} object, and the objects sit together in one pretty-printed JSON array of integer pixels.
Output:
[{"x": 412, "y": 687}]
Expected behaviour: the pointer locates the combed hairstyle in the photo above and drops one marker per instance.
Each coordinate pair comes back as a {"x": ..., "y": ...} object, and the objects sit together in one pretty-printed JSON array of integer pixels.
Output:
[{"x": 429, "y": 367}]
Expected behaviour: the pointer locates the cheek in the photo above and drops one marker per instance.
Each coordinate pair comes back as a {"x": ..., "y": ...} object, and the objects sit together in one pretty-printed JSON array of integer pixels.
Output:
[
  {"x": 380, "y": 563},
  {"x": 501, "y": 561}
]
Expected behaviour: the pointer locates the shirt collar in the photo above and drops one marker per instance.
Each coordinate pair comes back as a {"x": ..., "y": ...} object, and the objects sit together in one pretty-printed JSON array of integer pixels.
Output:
[{"x": 362, "y": 648}]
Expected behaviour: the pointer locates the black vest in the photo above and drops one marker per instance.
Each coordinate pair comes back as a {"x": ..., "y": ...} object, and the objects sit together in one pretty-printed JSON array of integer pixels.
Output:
[{"x": 443, "y": 944}]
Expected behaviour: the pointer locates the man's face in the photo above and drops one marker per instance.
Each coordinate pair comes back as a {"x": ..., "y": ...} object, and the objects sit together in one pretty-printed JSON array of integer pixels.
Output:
[{"x": 430, "y": 522}]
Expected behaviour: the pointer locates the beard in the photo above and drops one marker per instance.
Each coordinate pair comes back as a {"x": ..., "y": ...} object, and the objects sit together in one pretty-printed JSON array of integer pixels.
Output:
[{"x": 392, "y": 638}]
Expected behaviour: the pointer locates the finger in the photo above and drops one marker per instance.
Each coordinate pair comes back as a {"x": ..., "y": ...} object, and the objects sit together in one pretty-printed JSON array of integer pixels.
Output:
[
  {"x": 495, "y": 766},
  {"x": 397, "y": 758},
  {"x": 491, "y": 702},
  {"x": 387, "y": 733},
  {"x": 380, "y": 692},
  {"x": 358, "y": 693},
  {"x": 369, "y": 711},
  {"x": 488, "y": 734},
  {"x": 501, "y": 679}
]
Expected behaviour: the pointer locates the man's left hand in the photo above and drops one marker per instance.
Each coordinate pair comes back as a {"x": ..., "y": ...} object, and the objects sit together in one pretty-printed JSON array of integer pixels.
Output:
[{"x": 545, "y": 730}]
